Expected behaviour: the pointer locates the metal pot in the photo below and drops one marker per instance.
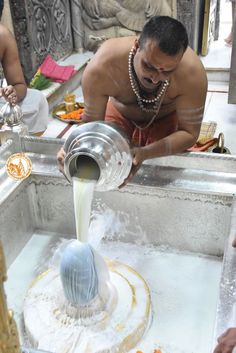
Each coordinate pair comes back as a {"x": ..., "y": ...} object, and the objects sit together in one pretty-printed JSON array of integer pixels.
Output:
[
  {"x": 12, "y": 115},
  {"x": 220, "y": 148},
  {"x": 98, "y": 151}
]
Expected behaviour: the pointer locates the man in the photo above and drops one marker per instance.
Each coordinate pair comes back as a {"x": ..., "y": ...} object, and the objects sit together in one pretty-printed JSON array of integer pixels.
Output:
[
  {"x": 33, "y": 103},
  {"x": 153, "y": 87}
]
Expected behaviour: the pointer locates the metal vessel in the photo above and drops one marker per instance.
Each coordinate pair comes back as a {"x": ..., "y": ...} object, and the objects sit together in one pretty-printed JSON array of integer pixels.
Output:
[{"x": 98, "y": 151}]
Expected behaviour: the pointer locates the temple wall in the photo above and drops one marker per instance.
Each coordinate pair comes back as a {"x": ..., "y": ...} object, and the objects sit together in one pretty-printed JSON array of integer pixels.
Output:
[
  {"x": 60, "y": 26},
  {"x": 97, "y": 20},
  {"x": 41, "y": 27}
]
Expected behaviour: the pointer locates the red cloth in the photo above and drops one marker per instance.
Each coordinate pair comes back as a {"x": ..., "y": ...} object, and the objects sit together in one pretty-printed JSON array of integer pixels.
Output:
[
  {"x": 198, "y": 147},
  {"x": 57, "y": 73},
  {"x": 159, "y": 129}
]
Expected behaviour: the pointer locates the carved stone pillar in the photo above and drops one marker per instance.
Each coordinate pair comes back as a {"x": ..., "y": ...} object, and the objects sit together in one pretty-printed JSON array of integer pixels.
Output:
[
  {"x": 41, "y": 27},
  {"x": 190, "y": 13}
]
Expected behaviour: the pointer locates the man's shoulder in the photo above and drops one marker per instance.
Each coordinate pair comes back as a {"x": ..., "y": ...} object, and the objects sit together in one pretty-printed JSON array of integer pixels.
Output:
[
  {"x": 191, "y": 68},
  {"x": 116, "y": 46},
  {"x": 4, "y": 31},
  {"x": 111, "y": 53},
  {"x": 192, "y": 62},
  {"x": 191, "y": 74}
]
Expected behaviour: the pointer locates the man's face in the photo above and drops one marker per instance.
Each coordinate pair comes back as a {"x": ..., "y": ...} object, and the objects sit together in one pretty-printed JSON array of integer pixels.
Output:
[{"x": 152, "y": 65}]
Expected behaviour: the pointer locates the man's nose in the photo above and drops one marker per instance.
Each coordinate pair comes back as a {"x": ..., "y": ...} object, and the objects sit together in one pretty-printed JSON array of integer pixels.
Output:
[{"x": 158, "y": 76}]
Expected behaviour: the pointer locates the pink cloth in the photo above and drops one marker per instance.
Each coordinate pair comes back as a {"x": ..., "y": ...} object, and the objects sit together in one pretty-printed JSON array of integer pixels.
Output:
[{"x": 57, "y": 73}]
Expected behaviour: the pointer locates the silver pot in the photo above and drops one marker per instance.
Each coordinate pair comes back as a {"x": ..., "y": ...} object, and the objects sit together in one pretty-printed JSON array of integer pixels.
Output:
[
  {"x": 98, "y": 151},
  {"x": 12, "y": 115}
]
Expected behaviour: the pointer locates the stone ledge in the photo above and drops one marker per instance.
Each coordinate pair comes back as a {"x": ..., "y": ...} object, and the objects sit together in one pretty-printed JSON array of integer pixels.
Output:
[{"x": 56, "y": 90}]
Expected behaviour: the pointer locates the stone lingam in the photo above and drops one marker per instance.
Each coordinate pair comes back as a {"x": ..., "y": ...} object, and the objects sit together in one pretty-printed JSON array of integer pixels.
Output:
[{"x": 92, "y": 306}]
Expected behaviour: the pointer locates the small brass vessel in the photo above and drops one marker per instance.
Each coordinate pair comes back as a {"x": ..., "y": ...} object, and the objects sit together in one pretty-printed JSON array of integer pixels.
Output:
[{"x": 9, "y": 338}]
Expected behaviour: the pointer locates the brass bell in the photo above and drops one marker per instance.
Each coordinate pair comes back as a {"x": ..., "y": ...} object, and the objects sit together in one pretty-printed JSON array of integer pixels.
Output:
[{"x": 220, "y": 148}]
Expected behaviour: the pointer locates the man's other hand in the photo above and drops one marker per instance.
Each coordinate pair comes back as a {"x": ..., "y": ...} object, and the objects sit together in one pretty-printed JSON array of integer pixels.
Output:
[
  {"x": 60, "y": 159},
  {"x": 234, "y": 243},
  {"x": 226, "y": 342},
  {"x": 138, "y": 158}
]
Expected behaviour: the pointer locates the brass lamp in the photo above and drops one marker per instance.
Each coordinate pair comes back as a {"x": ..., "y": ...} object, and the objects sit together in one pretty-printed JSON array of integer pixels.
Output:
[{"x": 9, "y": 339}]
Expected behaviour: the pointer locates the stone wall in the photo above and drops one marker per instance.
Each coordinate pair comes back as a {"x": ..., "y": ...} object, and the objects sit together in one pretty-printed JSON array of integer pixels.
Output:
[
  {"x": 60, "y": 26},
  {"x": 94, "y": 21},
  {"x": 41, "y": 27}
]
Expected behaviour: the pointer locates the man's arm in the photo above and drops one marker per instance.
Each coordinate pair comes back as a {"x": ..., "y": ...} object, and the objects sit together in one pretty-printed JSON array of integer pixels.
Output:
[
  {"x": 94, "y": 92},
  {"x": 11, "y": 66}
]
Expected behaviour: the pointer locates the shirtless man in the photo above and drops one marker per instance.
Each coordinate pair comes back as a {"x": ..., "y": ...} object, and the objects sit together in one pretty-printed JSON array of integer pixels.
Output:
[
  {"x": 153, "y": 86},
  {"x": 34, "y": 104}
]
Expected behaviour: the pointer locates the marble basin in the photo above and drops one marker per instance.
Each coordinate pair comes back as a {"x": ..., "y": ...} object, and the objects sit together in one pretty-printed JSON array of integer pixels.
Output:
[{"x": 178, "y": 217}]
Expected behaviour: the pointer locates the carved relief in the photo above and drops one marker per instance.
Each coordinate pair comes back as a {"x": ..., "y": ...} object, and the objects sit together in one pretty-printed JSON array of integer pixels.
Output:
[
  {"x": 41, "y": 27},
  {"x": 102, "y": 19},
  {"x": 60, "y": 21},
  {"x": 41, "y": 34}
]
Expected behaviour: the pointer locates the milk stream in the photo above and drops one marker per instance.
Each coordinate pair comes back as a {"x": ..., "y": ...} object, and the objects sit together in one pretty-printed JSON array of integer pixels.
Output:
[{"x": 83, "y": 190}]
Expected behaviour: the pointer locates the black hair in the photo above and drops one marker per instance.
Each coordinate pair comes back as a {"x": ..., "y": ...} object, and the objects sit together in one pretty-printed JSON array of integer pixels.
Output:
[
  {"x": 1, "y": 8},
  {"x": 170, "y": 34}
]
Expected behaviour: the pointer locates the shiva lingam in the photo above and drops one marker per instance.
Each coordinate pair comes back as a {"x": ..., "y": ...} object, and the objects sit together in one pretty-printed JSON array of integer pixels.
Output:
[
  {"x": 83, "y": 304},
  {"x": 78, "y": 274},
  {"x": 98, "y": 151}
]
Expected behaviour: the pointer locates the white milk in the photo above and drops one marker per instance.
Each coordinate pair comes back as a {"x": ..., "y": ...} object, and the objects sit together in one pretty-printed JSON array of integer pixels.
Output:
[{"x": 83, "y": 190}]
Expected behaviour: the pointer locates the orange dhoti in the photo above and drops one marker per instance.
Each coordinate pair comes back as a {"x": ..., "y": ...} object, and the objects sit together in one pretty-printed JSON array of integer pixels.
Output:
[{"x": 159, "y": 129}]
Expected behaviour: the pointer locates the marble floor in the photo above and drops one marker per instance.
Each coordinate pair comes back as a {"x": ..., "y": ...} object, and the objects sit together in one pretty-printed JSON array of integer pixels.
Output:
[{"x": 216, "y": 109}]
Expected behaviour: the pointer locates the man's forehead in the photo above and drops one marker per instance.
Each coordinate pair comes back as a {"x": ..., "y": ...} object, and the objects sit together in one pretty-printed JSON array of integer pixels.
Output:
[{"x": 153, "y": 55}]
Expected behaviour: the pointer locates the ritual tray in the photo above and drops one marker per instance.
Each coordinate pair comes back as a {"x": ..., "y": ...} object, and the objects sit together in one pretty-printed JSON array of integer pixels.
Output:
[{"x": 60, "y": 109}]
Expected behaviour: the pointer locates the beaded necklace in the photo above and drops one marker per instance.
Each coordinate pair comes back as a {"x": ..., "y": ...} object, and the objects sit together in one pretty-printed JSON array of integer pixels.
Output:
[{"x": 146, "y": 105}]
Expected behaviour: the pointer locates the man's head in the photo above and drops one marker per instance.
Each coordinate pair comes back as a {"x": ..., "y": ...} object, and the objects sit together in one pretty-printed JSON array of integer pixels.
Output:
[
  {"x": 159, "y": 50},
  {"x": 168, "y": 33}
]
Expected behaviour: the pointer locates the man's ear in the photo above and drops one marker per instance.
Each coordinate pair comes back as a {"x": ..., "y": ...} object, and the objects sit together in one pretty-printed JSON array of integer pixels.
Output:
[{"x": 136, "y": 44}]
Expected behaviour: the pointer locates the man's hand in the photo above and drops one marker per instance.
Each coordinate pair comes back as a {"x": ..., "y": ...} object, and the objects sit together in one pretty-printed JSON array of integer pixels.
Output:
[
  {"x": 138, "y": 158},
  {"x": 9, "y": 93},
  {"x": 60, "y": 159},
  {"x": 226, "y": 342},
  {"x": 138, "y": 155},
  {"x": 234, "y": 243}
]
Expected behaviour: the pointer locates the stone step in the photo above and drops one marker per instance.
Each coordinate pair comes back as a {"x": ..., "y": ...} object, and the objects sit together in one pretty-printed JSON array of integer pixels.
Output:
[
  {"x": 218, "y": 74},
  {"x": 218, "y": 86}
]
